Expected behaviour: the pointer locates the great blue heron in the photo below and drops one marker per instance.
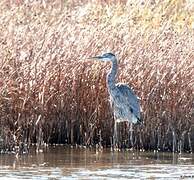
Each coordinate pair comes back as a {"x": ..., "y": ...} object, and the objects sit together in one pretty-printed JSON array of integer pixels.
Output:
[{"x": 123, "y": 100}]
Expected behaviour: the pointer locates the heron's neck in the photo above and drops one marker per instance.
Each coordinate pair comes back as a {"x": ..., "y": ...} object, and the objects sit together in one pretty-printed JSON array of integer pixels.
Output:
[{"x": 111, "y": 76}]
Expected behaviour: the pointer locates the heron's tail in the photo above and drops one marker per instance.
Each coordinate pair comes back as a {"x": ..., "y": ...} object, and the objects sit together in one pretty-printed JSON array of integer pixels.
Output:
[
  {"x": 136, "y": 120},
  {"x": 139, "y": 121}
]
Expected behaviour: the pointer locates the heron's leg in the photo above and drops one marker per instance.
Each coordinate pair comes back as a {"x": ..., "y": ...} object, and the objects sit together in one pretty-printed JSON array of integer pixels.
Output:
[
  {"x": 131, "y": 134},
  {"x": 115, "y": 137}
]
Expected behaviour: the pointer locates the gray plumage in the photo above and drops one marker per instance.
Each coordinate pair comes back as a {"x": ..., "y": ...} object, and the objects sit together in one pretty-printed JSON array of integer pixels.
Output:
[
  {"x": 123, "y": 100},
  {"x": 125, "y": 104}
]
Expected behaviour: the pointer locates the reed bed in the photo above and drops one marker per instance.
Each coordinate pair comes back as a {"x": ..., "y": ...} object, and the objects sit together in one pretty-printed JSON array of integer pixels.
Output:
[{"x": 50, "y": 93}]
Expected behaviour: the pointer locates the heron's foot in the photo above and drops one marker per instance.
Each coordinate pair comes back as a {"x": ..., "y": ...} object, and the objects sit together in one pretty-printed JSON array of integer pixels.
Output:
[{"x": 116, "y": 148}]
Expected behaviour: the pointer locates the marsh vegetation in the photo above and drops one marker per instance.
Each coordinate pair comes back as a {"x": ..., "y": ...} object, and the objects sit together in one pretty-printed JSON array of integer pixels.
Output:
[{"x": 50, "y": 93}]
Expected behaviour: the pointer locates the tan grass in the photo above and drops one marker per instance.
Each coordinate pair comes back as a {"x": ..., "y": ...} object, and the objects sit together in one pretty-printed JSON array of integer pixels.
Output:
[{"x": 51, "y": 93}]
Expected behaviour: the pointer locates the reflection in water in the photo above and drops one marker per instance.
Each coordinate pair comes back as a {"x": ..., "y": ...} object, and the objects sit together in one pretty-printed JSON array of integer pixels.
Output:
[{"x": 63, "y": 163}]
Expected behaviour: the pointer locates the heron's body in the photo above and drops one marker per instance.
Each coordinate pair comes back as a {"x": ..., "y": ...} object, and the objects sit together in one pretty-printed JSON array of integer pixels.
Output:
[
  {"x": 125, "y": 109},
  {"x": 123, "y": 100}
]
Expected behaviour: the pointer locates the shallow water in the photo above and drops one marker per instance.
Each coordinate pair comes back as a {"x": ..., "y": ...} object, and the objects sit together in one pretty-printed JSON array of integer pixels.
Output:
[{"x": 66, "y": 163}]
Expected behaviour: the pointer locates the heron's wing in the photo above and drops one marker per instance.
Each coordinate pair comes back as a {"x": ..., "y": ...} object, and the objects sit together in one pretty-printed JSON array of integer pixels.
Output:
[{"x": 130, "y": 98}]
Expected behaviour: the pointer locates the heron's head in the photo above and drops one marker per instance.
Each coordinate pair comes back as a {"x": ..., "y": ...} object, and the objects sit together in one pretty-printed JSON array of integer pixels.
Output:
[{"x": 105, "y": 57}]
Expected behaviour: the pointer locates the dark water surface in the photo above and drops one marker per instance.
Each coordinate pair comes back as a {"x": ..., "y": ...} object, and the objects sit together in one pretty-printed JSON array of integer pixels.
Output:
[{"x": 66, "y": 163}]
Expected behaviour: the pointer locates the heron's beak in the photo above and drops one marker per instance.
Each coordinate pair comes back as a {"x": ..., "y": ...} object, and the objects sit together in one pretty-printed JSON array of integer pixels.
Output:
[
  {"x": 100, "y": 58},
  {"x": 97, "y": 57}
]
